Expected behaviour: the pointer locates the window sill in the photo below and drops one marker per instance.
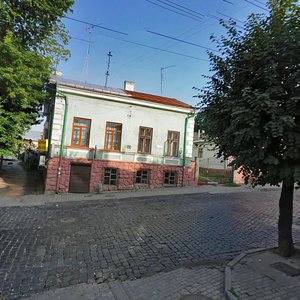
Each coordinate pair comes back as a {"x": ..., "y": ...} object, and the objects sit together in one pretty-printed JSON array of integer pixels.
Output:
[
  {"x": 108, "y": 150},
  {"x": 78, "y": 147}
]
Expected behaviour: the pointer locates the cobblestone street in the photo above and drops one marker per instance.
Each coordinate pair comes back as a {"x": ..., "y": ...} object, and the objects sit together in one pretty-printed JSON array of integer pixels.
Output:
[{"x": 58, "y": 245}]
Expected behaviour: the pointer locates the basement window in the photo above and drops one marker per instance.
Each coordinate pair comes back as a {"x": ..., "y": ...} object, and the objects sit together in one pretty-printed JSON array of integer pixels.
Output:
[
  {"x": 142, "y": 176},
  {"x": 110, "y": 176},
  {"x": 170, "y": 178}
]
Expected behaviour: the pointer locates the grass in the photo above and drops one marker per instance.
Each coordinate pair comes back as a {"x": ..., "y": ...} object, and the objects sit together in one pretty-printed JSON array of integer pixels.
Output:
[{"x": 214, "y": 175}]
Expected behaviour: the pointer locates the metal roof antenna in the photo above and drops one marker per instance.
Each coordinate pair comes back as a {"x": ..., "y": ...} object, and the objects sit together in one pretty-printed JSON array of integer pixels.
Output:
[
  {"x": 87, "y": 57},
  {"x": 108, "y": 67},
  {"x": 85, "y": 71}
]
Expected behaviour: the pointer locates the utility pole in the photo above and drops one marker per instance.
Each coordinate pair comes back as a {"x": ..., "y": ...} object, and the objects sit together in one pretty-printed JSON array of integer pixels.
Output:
[
  {"x": 108, "y": 66},
  {"x": 161, "y": 77}
]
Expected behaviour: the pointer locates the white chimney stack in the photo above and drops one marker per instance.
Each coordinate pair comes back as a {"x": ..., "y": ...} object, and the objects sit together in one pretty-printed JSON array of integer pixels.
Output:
[{"x": 129, "y": 85}]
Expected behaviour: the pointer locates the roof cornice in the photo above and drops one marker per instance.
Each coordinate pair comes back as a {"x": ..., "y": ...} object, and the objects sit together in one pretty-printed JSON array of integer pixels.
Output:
[{"x": 121, "y": 99}]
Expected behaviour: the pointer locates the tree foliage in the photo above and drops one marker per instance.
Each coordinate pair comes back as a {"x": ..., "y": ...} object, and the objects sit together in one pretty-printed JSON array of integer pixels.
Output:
[
  {"x": 32, "y": 40},
  {"x": 252, "y": 101}
]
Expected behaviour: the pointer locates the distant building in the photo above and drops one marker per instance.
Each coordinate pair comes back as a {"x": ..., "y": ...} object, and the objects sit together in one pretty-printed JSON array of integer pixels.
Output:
[
  {"x": 116, "y": 139},
  {"x": 211, "y": 167},
  {"x": 32, "y": 137}
]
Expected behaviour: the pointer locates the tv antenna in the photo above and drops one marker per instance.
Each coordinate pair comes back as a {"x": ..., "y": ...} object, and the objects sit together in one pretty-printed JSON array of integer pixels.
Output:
[
  {"x": 108, "y": 67},
  {"x": 87, "y": 57},
  {"x": 162, "y": 78}
]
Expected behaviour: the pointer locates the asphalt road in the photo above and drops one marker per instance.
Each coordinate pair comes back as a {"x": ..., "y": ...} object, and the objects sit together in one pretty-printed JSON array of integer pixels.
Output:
[{"x": 59, "y": 245}]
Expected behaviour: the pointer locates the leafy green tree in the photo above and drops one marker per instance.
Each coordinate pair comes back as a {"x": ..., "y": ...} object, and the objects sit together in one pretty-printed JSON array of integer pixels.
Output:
[
  {"x": 252, "y": 104},
  {"x": 32, "y": 39}
]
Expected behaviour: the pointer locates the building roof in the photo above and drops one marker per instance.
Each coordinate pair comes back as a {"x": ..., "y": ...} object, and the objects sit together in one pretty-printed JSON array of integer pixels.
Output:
[
  {"x": 156, "y": 99},
  {"x": 119, "y": 92}
]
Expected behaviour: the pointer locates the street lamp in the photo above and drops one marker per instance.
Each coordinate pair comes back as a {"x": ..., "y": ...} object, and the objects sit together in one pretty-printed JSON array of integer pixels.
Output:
[{"x": 161, "y": 77}]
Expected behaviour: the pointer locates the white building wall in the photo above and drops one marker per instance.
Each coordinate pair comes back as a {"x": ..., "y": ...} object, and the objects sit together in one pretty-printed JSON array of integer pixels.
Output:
[
  {"x": 58, "y": 116},
  {"x": 189, "y": 137},
  {"x": 131, "y": 116}
]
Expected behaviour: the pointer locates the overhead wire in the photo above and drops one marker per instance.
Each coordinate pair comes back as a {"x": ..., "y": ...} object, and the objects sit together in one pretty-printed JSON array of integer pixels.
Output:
[
  {"x": 145, "y": 57},
  {"x": 260, "y": 2},
  {"x": 182, "y": 41},
  {"x": 263, "y": 8},
  {"x": 235, "y": 19},
  {"x": 174, "y": 11},
  {"x": 94, "y": 25},
  {"x": 181, "y": 7},
  {"x": 156, "y": 48}
]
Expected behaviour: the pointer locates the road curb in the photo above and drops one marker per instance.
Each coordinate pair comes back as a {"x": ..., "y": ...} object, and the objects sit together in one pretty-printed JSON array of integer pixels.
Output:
[{"x": 228, "y": 269}]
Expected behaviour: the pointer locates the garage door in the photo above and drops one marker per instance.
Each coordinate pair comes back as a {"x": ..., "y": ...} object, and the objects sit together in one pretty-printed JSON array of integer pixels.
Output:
[{"x": 80, "y": 178}]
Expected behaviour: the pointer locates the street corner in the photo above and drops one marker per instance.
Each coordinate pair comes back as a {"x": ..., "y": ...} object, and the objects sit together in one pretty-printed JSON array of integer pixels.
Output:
[{"x": 263, "y": 274}]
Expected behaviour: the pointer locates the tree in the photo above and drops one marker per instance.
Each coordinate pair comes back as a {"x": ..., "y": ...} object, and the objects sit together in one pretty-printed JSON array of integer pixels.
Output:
[
  {"x": 252, "y": 104},
  {"x": 32, "y": 40}
]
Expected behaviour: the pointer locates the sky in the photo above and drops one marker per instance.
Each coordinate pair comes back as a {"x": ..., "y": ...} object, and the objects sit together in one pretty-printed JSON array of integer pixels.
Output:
[{"x": 129, "y": 28}]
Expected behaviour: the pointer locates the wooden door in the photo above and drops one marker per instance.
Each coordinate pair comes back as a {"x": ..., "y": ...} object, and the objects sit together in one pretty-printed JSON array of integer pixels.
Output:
[{"x": 80, "y": 178}]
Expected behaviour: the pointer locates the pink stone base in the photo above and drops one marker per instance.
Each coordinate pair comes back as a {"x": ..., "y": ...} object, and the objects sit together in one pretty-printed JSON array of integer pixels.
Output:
[{"x": 126, "y": 174}]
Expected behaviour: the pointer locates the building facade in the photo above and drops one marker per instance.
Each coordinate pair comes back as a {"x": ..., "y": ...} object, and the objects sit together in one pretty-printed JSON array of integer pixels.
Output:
[{"x": 104, "y": 138}]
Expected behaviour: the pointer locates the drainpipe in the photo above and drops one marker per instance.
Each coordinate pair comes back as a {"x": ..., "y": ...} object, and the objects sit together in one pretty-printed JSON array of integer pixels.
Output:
[
  {"x": 62, "y": 142},
  {"x": 190, "y": 115}
]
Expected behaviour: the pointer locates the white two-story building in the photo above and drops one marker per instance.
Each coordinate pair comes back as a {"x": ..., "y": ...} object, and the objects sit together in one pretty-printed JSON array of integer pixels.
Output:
[{"x": 109, "y": 138}]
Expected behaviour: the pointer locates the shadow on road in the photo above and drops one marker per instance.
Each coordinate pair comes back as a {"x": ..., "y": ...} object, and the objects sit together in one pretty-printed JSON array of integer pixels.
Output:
[{"x": 15, "y": 180}]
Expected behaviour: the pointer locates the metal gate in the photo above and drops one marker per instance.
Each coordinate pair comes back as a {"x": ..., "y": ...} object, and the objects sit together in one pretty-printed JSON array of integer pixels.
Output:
[{"x": 80, "y": 178}]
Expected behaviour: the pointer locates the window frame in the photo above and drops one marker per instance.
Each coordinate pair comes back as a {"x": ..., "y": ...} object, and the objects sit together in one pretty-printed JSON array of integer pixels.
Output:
[
  {"x": 170, "y": 142},
  {"x": 80, "y": 134},
  {"x": 112, "y": 141},
  {"x": 144, "y": 137},
  {"x": 116, "y": 173},
  {"x": 148, "y": 176},
  {"x": 175, "y": 178}
]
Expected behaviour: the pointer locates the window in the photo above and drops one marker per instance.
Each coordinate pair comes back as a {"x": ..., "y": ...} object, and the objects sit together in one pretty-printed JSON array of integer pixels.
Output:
[
  {"x": 141, "y": 176},
  {"x": 81, "y": 132},
  {"x": 113, "y": 136},
  {"x": 173, "y": 143},
  {"x": 145, "y": 140},
  {"x": 110, "y": 176},
  {"x": 169, "y": 178}
]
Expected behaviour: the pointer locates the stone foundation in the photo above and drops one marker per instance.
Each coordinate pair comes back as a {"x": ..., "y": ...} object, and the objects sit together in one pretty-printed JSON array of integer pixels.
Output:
[{"x": 58, "y": 179}]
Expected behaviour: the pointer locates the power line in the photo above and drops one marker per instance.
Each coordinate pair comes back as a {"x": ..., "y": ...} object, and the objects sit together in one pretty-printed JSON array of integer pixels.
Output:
[
  {"x": 156, "y": 48},
  {"x": 235, "y": 19},
  {"x": 182, "y": 41},
  {"x": 257, "y": 5},
  {"x": 82, "y": 40},
  {"x": 217, "y": 18},
  {"x": 260, "y": 2},
  {"x": 227, "y": 2},
  {"x": 176, "y": 12},
  {"x": 94, "y": 25},
  {"x": 181, "y": 7}
]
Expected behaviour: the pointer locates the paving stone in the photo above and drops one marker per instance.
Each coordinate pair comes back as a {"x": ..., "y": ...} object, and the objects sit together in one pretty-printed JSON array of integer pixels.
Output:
[{"x": 51, "y": 243}]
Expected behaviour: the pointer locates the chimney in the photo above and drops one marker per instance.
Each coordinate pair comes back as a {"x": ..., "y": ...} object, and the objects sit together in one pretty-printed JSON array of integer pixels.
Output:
[{"x": 129, "y": 86}]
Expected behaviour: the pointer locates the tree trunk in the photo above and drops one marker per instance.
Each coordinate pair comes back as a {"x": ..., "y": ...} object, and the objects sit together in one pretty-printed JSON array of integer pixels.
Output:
[{"x": 285, "y": 240}]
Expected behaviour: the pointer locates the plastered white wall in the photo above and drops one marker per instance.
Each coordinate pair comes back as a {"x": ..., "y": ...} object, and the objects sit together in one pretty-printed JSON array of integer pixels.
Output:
[{"x": 131, "y": 116}]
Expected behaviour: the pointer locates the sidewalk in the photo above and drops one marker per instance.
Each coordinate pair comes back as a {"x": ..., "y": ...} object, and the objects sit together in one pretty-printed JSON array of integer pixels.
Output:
[
  {"x": 204, "y": 282},
  {"x": 42, "y": 199},
  {"x": 259, "y": 274},
  {"x": 263, "y": 274}
]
